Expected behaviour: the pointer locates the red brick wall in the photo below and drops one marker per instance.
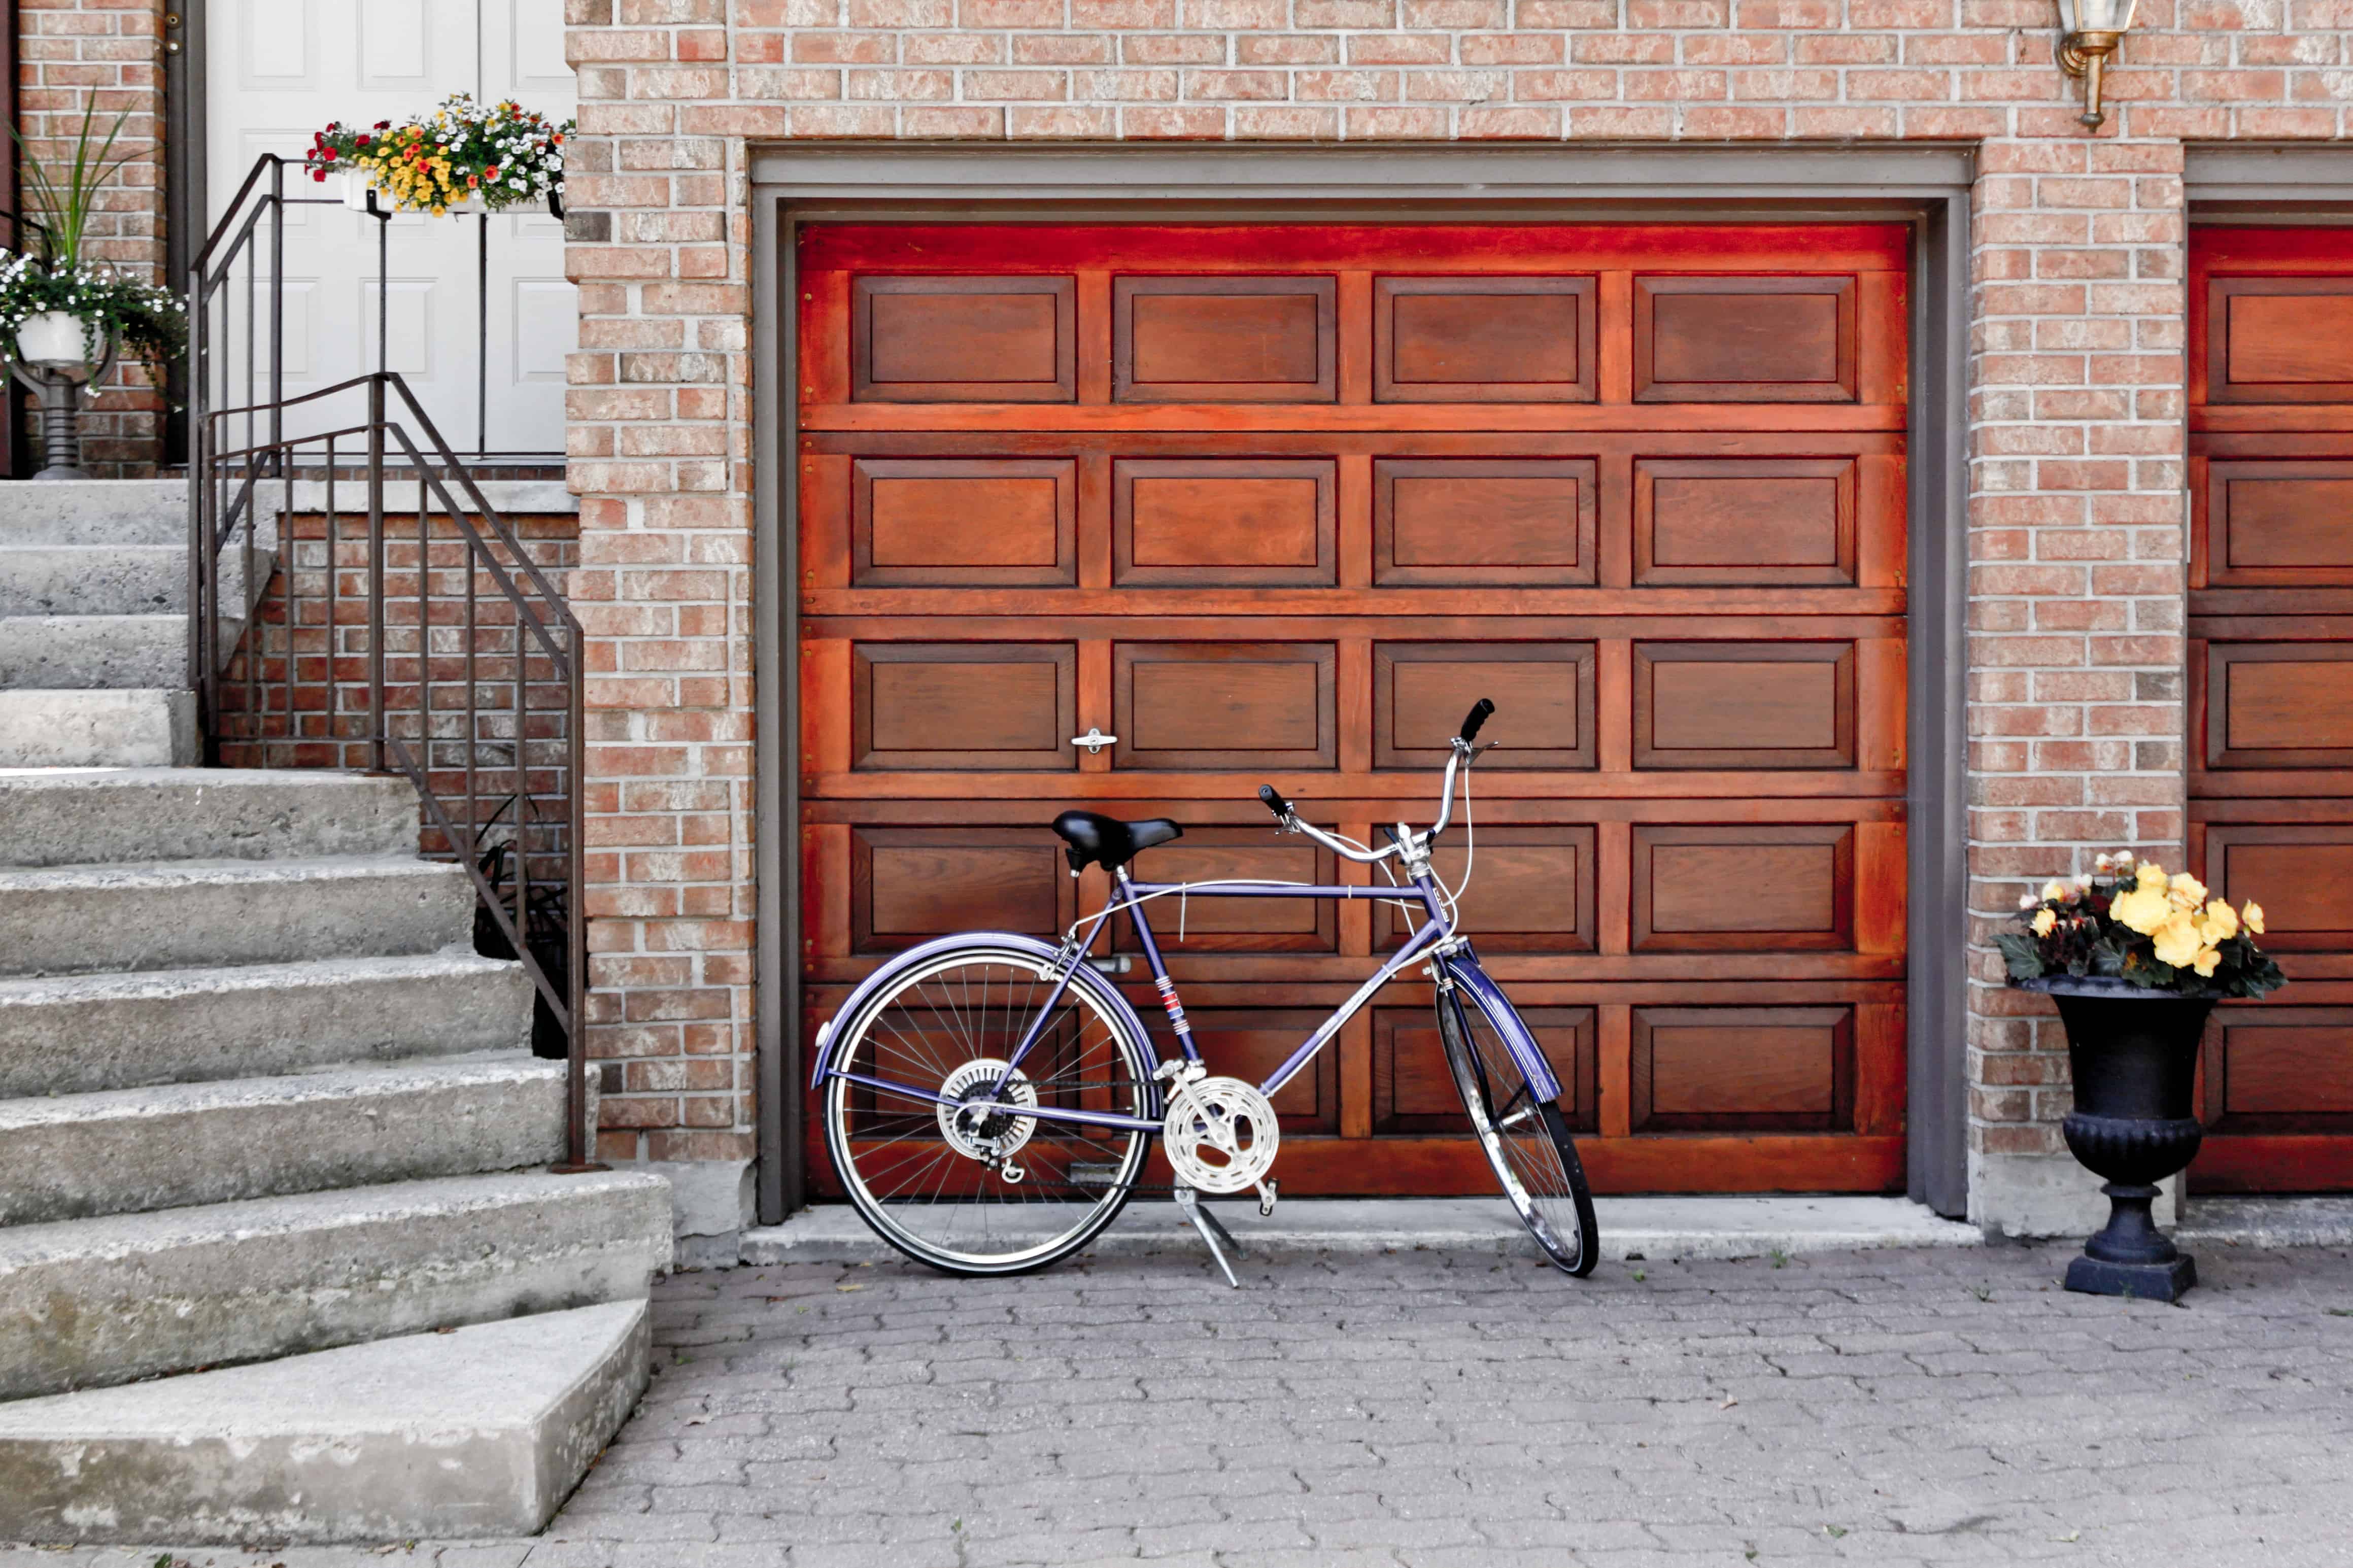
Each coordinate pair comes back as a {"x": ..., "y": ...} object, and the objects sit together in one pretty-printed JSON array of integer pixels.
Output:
[
  {"x": 69, "y": 51},
  {"x": 2075, "y": 379}
]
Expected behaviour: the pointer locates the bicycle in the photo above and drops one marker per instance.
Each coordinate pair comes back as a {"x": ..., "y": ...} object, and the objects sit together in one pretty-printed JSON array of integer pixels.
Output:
[{"x": 982, "y": 1131}]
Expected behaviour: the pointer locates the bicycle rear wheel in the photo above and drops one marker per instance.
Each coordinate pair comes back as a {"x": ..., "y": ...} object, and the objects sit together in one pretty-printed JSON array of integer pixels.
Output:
[
  {"x": 1526, "y": 1138},
  {"x": 975, "y": 1186}
]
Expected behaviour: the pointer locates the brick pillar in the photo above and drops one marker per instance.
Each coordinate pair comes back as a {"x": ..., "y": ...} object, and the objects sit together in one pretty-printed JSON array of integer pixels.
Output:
[
  {"x": 68, "y": 52},
  {"x": 657, "y": 434},
  {"x": 2077, "y": 550}
]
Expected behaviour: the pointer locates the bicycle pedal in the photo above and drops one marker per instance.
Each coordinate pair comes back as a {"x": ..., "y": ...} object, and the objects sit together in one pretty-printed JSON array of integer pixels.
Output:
[{"x": 1267, "y": 1193}]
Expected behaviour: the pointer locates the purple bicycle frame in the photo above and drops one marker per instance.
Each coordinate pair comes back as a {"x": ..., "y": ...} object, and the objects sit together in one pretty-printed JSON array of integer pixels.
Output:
[
  {"x": 1463, "y": 966},
  {"x": 1460, "y": 963}
]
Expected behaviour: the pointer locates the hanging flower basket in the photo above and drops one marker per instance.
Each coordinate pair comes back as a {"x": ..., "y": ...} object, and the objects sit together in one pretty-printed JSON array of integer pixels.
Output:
[{"x": 460, "y": 158}]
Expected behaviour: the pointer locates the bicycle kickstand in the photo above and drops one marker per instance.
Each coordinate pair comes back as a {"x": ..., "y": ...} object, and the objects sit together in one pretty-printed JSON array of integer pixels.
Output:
[{"x": 1213, "y": 1231}]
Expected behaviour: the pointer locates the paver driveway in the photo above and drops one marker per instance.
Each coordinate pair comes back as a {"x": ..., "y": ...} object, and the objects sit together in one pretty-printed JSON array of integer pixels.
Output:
[{"x": 1416, "y": 1409}]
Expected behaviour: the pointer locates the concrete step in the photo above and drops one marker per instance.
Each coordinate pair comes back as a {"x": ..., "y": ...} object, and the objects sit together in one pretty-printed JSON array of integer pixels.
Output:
[
  {"x": 103, "y": 817},
  {"x": 93, "y": 579},
  {"x": 95, "y": 512},
  {"x": 82, "y": 653},
  {"x": 478, "y": 1433},
  {"x": 94, "y": 1302},
  {"x": 133, "y": 1151},
  {"x": 81, "y": 920},
  {"x": 148, "y": 727},
  {"x": 80, "y": 1034}
]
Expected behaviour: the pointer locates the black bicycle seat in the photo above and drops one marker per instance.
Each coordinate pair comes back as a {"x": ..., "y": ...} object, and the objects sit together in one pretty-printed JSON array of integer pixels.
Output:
[{"x": 1091, "y": 839}]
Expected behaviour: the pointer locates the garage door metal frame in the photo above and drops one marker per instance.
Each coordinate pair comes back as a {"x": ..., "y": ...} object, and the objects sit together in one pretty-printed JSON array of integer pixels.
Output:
[{"x": 1924, "y": 186}]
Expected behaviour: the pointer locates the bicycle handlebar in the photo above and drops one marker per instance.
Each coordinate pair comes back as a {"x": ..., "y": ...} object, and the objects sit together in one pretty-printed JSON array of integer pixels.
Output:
[{"x": 1459, "y": 751}]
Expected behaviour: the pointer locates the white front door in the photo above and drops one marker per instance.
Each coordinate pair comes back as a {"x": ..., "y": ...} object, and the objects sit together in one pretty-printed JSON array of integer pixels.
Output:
[{"x": 456, "y": 318}]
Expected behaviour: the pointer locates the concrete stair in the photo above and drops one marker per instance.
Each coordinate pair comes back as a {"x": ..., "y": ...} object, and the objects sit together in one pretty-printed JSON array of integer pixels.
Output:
[
  {"x": 269, "y": 1131},
  {"x": 93, "y": 598}
]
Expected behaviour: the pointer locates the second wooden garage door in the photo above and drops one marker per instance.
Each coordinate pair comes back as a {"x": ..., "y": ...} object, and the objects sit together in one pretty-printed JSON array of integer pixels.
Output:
[{"x": 1276, "y": 504}]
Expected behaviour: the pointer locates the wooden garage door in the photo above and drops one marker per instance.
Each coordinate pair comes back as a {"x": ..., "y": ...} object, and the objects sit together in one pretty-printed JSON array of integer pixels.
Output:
[
  {"x": 2271, "y": 686},
  {"x": 1277, "y": 503}
]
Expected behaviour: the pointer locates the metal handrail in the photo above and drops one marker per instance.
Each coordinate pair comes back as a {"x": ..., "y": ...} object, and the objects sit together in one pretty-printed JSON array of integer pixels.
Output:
[{"x": 253, "y": 670}]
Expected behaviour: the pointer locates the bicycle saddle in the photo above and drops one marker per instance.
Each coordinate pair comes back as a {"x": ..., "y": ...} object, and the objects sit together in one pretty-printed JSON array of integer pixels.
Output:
[{"x": 1091, "y": 839}]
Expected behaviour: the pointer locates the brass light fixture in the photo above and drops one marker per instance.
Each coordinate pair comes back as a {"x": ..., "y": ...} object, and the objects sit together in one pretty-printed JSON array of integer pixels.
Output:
[{"x": 2090, "y": 31}]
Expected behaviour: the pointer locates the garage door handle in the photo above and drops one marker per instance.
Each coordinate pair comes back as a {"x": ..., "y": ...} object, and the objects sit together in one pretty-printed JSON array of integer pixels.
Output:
[{"x": 1094, "y": 740}]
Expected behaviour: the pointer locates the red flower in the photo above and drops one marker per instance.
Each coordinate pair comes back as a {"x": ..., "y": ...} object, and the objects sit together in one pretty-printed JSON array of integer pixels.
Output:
[{"x": 364, "y": 139}]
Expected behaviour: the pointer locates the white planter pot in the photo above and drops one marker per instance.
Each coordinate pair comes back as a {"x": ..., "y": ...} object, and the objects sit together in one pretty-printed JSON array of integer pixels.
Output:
[{"x": 53, "y": 337}]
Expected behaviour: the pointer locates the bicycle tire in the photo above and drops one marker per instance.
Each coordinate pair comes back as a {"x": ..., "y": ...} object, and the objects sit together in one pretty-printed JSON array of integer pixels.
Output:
[
  {"x": 1528, "y": 1144},
  {"x": 918, "y": 1211}
]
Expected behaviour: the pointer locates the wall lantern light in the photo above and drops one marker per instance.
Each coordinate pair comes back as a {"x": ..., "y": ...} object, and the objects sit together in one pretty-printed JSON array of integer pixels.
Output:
[{"x": 2090, "y": 31}]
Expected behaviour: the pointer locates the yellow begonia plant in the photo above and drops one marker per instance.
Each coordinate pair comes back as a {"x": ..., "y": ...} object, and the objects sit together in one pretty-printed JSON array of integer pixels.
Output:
[{"x": 2130, "y": 920}]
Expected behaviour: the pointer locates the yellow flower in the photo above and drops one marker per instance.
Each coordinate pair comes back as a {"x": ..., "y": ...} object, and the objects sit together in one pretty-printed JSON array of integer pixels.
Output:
[
  {"x": 2176, "y": 940},
  {"x": 2189, "y": 892},
  {"x": 2057, "y": 891},
  {"x": 2143, "y": 908},
  {"x": 2205, "y": 960},
  {"x": 2043, "y": 920},
  {"x": 2151, "y": 877},
  {"x": 2253, "y": 915},
  {"x": 2221, "y": 922}
]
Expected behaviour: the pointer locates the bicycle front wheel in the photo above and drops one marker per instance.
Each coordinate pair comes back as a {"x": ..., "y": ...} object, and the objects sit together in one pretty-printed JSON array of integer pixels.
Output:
[
  {"x": 939, "y": 1159},
  {"x": 1526, "y": 1138}
]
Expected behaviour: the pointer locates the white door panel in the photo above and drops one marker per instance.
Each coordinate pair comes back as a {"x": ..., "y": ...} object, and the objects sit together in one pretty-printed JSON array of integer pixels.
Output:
[{"x": 280, "y": 69}]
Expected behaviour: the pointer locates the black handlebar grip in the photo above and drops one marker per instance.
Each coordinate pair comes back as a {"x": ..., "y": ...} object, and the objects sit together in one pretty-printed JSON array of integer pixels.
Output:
[
  {"x": 1480, "y": 714},
  {"x": 1275, "y": 801}
]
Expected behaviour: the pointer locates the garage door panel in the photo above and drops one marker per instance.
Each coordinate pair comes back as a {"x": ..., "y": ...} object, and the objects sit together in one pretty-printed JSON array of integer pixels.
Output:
[
  {"x": 949, "y": 523},
  {"x": 1182, "y": 925},
  {"x": 2279, "y": 339},
  {"x": 1471, "y": 521},
  {"x": 1224, "y": 340},
  {"x": 1731, "y": 520},
  {"x": 1211, "y": 522},
  {"x": 2279, "y": 705},
  {"x": 1187, "y": 706},
  {"x": 1534, "y": 890},
  {"x": 1483, "y": 340},
  {"x": 2301, "y": 875},
  {"x": 963, "y": 707},
  {"x": 909, "y": 885},
  {"x": 1743, "y": 1069},
  {"x": 964, "y": 340},
  {"x": 1732, "y": 887},
  {"x": 1251, "y": 1043},
  {"x": 1744, "y": 339},
  {"x": 1413, "y": 1089},
  {"x": 1421, "y": 690},
  {"x": 1744, "y": 705},
  {"x": 1314, "y": 489},
  {"x": 2282, "y": 525}
]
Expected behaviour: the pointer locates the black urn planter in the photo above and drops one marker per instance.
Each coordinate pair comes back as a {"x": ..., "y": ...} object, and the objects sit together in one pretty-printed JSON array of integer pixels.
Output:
[{"x": 2134, "y": 1053}]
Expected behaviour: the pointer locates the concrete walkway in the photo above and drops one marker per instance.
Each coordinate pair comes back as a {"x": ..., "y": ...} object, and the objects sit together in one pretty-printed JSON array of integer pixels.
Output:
[{"x": 1425, "y": 1409}]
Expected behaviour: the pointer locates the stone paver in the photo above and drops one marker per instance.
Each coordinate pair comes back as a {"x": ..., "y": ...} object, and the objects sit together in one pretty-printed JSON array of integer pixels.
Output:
[{"x": 1422, "y": 1411}]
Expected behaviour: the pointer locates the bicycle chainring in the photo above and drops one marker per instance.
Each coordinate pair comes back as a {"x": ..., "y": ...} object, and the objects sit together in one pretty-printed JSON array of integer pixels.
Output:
[
  {"x": 973, "y": 1126},
  {"x": 1220, "y": 1135}
]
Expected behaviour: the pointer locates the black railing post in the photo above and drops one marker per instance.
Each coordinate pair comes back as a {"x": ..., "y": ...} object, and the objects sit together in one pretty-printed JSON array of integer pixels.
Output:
[{"x": 375, "y": 573}]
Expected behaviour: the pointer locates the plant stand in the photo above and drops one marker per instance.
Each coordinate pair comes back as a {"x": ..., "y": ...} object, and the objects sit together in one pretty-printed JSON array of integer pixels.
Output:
[
  {"x": 2133, "y": 1054},
  {"x": 60, "y": 394}
]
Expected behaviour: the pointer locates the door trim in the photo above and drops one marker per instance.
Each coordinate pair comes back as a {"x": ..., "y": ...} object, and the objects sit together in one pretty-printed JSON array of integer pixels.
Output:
[{"x": 1928, "y": 186}]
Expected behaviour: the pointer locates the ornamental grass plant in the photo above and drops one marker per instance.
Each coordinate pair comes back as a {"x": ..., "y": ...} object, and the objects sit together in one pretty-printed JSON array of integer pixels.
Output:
[
  {"x": 504, "y": 155},
  {"x": 53, "y": 268},
  {"x": 2129, "y": 920}
]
